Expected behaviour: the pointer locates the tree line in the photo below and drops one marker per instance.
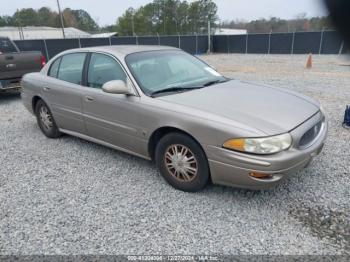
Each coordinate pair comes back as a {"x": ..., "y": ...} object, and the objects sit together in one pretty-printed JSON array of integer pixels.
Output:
[
  {"x": 46, "y": 17},
  {"x": 299, "y": 24},
  {"x": 163, "y": 17},
  {"x": 168, "y": 17}
]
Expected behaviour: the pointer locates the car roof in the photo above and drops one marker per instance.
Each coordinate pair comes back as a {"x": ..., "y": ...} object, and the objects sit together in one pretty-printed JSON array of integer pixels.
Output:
[
  {"x": 119, "y": 51},
  {"x": 124, "y": 50}
]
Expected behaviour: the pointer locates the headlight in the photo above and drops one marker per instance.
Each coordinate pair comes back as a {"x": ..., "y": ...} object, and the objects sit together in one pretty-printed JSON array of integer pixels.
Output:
[{"x": 265, "y": 145}]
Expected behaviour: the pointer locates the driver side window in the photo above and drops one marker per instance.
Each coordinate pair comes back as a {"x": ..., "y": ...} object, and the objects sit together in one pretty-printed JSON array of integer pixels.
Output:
[{"x": 103, "y": 68}]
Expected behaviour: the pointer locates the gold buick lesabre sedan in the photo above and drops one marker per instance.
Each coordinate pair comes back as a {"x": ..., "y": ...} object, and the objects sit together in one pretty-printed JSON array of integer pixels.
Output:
[{"x": 163, "y": 104}]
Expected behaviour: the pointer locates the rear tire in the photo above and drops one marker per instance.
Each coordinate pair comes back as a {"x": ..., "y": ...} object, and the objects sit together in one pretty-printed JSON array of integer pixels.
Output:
[
  {"x": 182, "y": 162},
  {"x": 45, "y": 120}
]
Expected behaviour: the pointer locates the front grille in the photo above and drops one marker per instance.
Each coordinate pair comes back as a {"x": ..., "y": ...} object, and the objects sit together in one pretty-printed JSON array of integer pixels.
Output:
[{"x": 310, "y": 135}]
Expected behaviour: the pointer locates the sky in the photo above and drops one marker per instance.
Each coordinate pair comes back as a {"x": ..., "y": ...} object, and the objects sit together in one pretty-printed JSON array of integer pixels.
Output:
[{"x": 107, "y": 11}]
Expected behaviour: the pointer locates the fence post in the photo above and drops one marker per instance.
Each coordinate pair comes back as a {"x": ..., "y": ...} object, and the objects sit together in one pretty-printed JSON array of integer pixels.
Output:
[
  {"x": 46, "y": 51},
  {"x": 228, "y": 43},
  {"x": 341, "y": 48},
  {"x": 110, "y": 41},
  {"x": 246, "y": 43},
  {"x": 136, "y": 39},
  {"x": 321, "y": 41},
  {"x": 19, "y": 33},
  {"x": 79, "y": 42},
  {"x": 293, "y": 39},
  {"x": 196, "y": 43},
  {"x": 268, "y": 52},
  {"x": 179, "y": 40},
  {"x": 158, "y": 38}
]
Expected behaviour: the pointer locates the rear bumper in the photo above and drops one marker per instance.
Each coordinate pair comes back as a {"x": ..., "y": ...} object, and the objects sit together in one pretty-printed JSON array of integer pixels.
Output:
[
  {"x": 233, "y": 168},
  {"x": 10, "y": 84}
]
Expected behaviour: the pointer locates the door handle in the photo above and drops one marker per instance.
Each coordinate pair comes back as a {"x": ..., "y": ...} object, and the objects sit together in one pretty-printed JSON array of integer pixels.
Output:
[
  {"x": 11, "y": 66},
  {"x": 46, "y": 88},
  {"x": 89, "y": 98}
]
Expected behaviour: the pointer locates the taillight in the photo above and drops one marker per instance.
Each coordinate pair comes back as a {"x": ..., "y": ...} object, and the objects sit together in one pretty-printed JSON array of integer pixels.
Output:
[{"x": 43, "y": 61}]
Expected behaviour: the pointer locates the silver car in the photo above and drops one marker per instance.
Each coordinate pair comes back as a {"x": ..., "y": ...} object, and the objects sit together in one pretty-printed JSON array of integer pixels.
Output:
[{"x": 162, "y": 104}]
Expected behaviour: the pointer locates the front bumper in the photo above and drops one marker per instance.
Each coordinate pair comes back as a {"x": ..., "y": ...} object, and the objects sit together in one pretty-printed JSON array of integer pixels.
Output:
[{"x": 233, "y": 168}]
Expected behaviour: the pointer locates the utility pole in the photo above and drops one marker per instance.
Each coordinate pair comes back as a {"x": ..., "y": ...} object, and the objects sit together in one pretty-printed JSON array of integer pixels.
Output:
[
  {"x": 61, "y": 16},
  {"x": 209, "y": 42},
  {"x": 132, "y": 23},
  {"x": 164, "y": 21}
]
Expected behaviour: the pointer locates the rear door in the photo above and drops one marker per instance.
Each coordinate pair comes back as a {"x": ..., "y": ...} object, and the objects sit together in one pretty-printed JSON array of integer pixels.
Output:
[{"x": 63, "y": 91}]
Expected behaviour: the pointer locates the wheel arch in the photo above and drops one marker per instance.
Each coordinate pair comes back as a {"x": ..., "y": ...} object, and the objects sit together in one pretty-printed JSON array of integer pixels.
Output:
[
  {"x": 161, "y": 132},
  {"x": 35, "y": 100}
]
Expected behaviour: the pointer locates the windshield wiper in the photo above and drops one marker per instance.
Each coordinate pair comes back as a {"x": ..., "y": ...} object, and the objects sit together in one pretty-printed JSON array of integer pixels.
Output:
[
  {"x": 184, "y": 89},
  {"x": 175, "y": 89}
]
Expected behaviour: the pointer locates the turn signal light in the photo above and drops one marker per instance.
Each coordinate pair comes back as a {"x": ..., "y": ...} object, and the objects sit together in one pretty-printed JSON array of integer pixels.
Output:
[
  {"x": 236, "y": 144},
  {"x": 260, "y": 175}
]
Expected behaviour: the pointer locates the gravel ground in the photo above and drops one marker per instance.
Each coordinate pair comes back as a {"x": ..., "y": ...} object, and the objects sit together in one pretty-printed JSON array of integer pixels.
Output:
[{"x": 69, "y": 196}]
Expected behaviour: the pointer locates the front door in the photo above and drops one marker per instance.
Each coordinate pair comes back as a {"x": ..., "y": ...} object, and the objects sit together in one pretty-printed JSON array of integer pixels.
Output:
[{"x": 111, "y": 118}]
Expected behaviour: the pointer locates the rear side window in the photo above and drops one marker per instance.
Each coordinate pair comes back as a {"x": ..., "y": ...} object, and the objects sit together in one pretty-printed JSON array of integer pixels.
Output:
[
  {"x": 6, "y": 46},
  {"x": 103, "y": 68},
  {"x": 71, "y": 68},
  {"x": 54, "y": 68}
]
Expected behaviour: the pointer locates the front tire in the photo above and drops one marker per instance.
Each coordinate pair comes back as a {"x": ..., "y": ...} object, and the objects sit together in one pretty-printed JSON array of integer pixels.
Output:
[
  {"x": 45, "y": 120},
  {"x": 182, "y": 162}
]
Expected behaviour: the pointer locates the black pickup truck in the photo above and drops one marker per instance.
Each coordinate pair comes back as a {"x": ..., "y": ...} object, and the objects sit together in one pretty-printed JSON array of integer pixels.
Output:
[{"x": 14, "y": 64}]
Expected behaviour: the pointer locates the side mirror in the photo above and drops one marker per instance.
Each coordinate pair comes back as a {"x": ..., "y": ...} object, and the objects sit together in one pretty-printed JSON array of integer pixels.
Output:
[{"x": 117, "y": 87}]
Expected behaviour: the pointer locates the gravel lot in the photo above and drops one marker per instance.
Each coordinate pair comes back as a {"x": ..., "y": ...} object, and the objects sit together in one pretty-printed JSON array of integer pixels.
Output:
[{"x": 69, "y": 196}]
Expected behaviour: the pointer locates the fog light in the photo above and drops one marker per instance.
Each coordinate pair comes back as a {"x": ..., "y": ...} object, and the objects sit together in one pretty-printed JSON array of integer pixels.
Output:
[{"x": 260, "y": 175}]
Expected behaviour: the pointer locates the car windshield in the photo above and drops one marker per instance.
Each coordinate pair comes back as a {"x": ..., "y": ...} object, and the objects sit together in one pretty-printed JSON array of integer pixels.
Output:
[{"x": 170, "y": 71}]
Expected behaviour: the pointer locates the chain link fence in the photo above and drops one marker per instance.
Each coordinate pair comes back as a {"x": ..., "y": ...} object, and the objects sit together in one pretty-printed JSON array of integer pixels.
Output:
[
  {"x": 325, "y": 42},
  {"x": 197, "y": 44}
]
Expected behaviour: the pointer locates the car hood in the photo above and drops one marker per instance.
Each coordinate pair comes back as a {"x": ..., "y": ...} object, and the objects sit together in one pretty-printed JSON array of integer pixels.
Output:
[{"x": 268, "y": 109}]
